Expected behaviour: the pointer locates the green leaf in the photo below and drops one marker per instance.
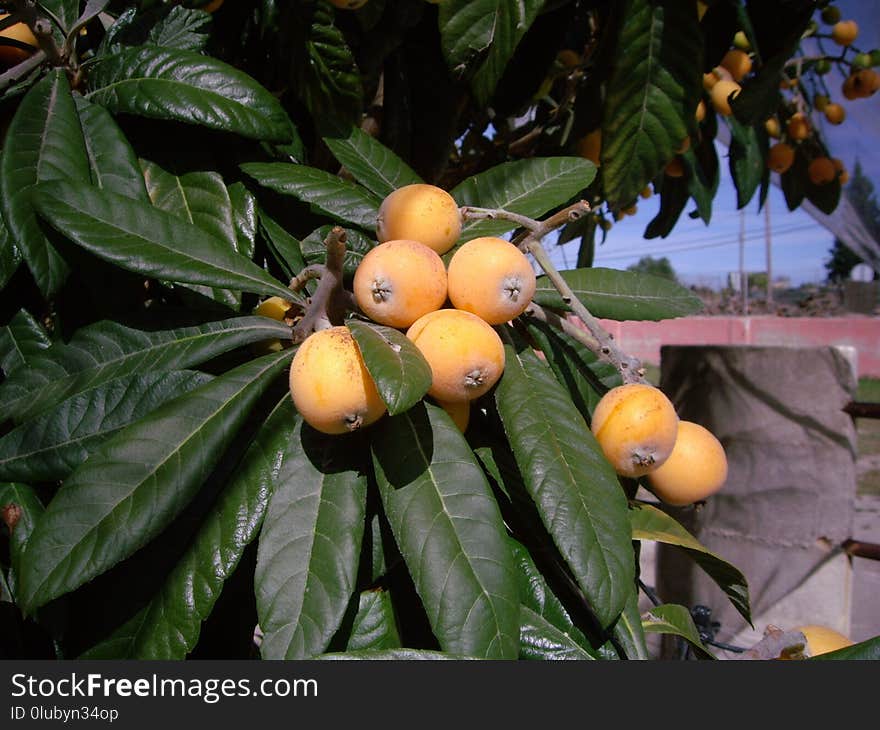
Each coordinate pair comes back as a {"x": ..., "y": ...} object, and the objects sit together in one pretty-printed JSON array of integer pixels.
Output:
[
  {"x": 373, "y": 165},
  {"x": 357, "y": 245},
  {"x": 328, "y": 194},
  {"x": 628, "y": 631},
  {"x": 32, "y": 510},
  {"x": 528, "y": 187},
  {"x": 10, "y": 256},
  {"x": 794, "y": 181},
  {"x": 245, "y": 219},
  {"x": 699, "y": 187},
  {"x": 374, "y": 628},
  {"x": 573, "y": 486},
  {"x": 488, "y": 30},
  {"x": 201, "y": 199},
  {"x": 650, "y": 523},
  {"x": 138, "y": 237},
  {"x": 651, "y": 96},
  {"x": 401, "y": 372},
  {"x": 864, "y": 650},
  {"x": 188, "y": 87},
  {"x": 674, "y": 193},
  {"x": 310, "y": 545},
  {"x": 53, "y": 444},
  {"x": 676, "y": 620},
  {"x": 621, "y": 295},
  {"x": 112, "y": 162},
  {"x": 186, "y": 29},
  {"x": 20, "y": 341},
  {"x": 449, "y": 530},
  {"x": 549, "y": 619},
  {"x": 540, "y": 639},
  {"x": 137, "y": 482},
  {"x": 106, "y": 350},
  {"x": 746, "y": 160},
  {"x": 585, "y": 376},
  {"x": 67, "y": 11},
  {"x": 44, "y": 142},
  {"x": 168, "y": 626},
  {"x": 326, "y": 74},
  {"x": 284, "y": 247}
]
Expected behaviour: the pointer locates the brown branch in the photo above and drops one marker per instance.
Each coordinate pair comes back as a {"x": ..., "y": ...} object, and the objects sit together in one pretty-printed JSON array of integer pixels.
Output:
[{"x": 328, "y": 305}]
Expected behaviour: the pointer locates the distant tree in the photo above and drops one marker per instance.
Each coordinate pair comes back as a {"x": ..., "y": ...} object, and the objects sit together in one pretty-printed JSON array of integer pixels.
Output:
[
  {"x": 860, "y": 193},
  {"x": 656, "y": 267}
]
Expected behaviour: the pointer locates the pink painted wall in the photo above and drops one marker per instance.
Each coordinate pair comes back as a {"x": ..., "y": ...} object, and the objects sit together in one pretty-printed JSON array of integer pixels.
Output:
[{"x": 643, "y": 339}]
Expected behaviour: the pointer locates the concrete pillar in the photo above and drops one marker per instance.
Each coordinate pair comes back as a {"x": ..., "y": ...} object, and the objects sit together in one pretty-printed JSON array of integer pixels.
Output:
[{"x": 788, "y": 502}]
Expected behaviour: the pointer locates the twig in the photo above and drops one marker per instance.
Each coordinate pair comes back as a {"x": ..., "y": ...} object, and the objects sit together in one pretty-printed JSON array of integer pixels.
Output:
[
  {"x": 20, "y": 70},
  {"x": 327, "y": 307},
  {"x": 565, "y": 325}
]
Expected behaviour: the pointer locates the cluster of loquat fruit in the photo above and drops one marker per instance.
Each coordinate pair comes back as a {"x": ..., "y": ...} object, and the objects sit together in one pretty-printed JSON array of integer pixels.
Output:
[{"x": 446, "y": 311}]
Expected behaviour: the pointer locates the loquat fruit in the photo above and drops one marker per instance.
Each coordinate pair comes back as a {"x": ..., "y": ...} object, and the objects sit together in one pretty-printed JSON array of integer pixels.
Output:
[
  {"x": 821, "y": 171},
  {"x": 865, "y": 82},
  {"x": 700, "y": 113},
  {"x": 798, "y": 127},
  {"x": 696, "y": 468},
  {"x": 738, "y": 63},
  {"x": 646, "y": 192},
  {"x": 830, "y": 15},
  {"x": 465, "y": 354},
  {"x": 636, "y": 427},
  {"x": 590, "y": 146},
  {"x": 780, "y": 157},
  {"x": 274, "y": 308},
  {"x": 709, "y": 80},
  {"x": 741, "y": 41},
  {"x": 844, "y": 32},
  {"x": 822, "y": 640},
  {"x": 674, "y": 168},
  {"x": 842, "y": 174},
  {"x": 722, "y": 93},
  {"x": 771, "y": 126},
  {"x": 398, "y": 281},
  {"x": 12, "y": 55},
  {"x": 820, "y": 101},
  {"x": 459, "y": 412},
  {"x": 420, "y": 212},
  {"x": 834, "y": 113},
  {"x": 492, "y": 278},
  {"x": 330, "y": 385}
]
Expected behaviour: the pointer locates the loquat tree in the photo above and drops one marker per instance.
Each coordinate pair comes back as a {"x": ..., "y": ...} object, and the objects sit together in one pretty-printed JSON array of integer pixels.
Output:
[{"x": 261, "y": 394}]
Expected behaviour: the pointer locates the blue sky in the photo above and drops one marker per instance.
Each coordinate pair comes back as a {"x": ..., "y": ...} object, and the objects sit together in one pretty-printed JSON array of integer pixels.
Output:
[{"x": 705, "y": 254}]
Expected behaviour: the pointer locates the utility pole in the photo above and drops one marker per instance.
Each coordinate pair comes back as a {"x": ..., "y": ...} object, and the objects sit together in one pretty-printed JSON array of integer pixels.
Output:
[
  {"x": 743, "y": 276},
  {"x": 767, "y": 241}
]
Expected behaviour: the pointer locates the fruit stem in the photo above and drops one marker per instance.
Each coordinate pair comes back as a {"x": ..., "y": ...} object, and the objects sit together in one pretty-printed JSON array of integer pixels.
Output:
[
  {"x": 600, "y": 342},
  {"x": 328, "y": 305}
]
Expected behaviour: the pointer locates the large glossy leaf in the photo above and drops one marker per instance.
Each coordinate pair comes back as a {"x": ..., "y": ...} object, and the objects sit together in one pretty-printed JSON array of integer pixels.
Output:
[
  {"x": 32, "y": 509},
  {"x": 112, "y": 162},
  {"x": 44, "y": 142},
  {"x": 622, "y": 295},
  {"x": 529, "y": 187},
  {"x": 650, "y": 523},
  {"x": 373, "y": 165},
  {"x": 450, "y": 532},
  {"x": 340, "y": 199},
  {"x": 137, "y": 482},
  {"x": 327, "y": 76},
  {"x": 169, "y": 625},
  {"x": 107, "y": 350},
  {"x": 201, "y": 199},
  {"x": 310, "y": 545},
  {"x": 548, "y": 621},
  {"x": 374, "y": 627},
  {"x": 628, "y": 631},
  {"x": 20, "y": 341},
  {"x": 670, "y": 618},
  {"x": 138, "y": 237},
  {"x": 486, "y": 30},
  {"x": 284, "y": 247},
  {"x": 651, "y": 95},
  {"x": 401, "y": 372},
  {"x": 188, "y": 87},
  {"x": 572, "y": 484},
  {"x": 674, "y": 194},
  {"x": 53, "y": 444},
  {"x": 245, "y": 218},
  {"x": 10, "y": 256},
  {"x": 585, "y": 376},
  {"x": 864, "y": 650},
  {"x": 182, "y": 28},
  {"x": 746, "y": 160},
  {"x": 67, "y": 11},
  {"x": 540, "y": 639}
]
